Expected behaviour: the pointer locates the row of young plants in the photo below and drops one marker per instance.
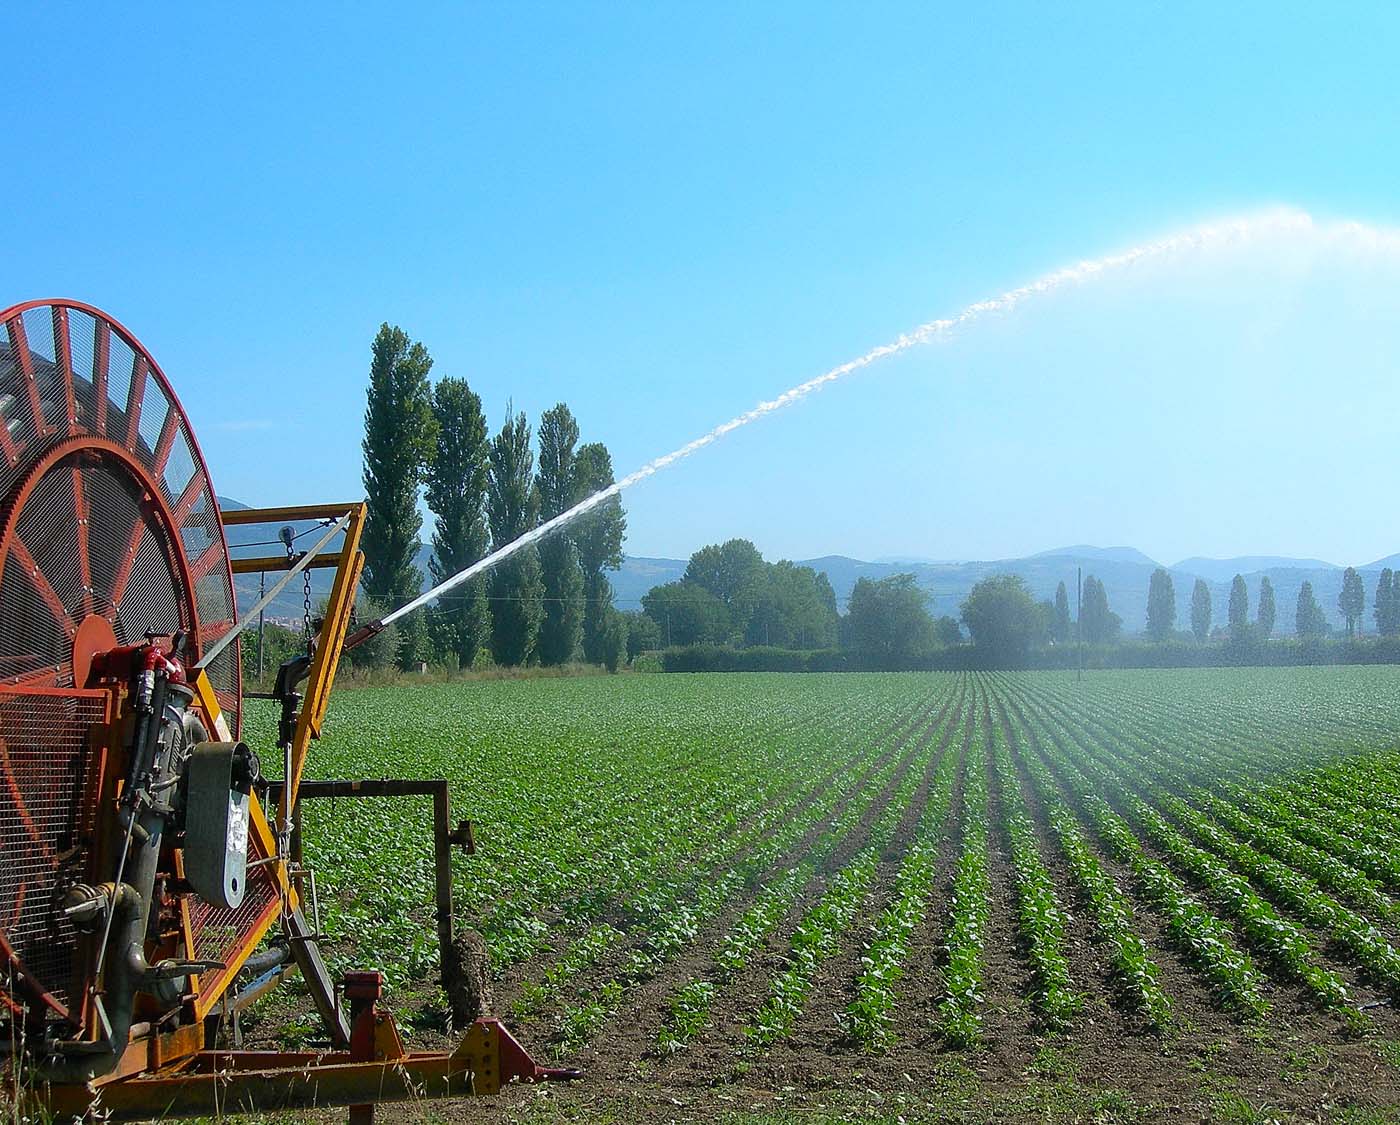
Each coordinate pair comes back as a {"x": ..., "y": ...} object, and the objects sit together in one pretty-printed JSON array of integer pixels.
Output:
[
  {"x": 1378, "y": 960},
  {"x": 1136, "y": 975},
  {"x": 1231, "y": 834},
  {"x": 1205, "y": 941},
  {"x": 556, "y": 774},
  {"x": 690, "y": 1005},
  {"x": 869, "y": 1018},
  {"x": 1117, "y": 762},
  {"x": 1282, "y": 818},
  {"x": 674, "y": 929},
  {"x": 960, "y": 1007},
  {"x": 675, "y": 890},
  {"x": 822, "y": 930},
  {"x": 1039, "y": 919}
]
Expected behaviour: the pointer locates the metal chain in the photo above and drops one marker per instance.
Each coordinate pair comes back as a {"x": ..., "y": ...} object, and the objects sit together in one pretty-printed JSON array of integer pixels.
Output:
[
  {"x": 287, "y": 538},
  {"x": 306, "y": 605}
]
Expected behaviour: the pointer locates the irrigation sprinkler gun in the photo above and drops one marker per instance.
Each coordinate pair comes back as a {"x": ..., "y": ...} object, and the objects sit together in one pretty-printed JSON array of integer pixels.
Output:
[{"x": 154, "y": 886}]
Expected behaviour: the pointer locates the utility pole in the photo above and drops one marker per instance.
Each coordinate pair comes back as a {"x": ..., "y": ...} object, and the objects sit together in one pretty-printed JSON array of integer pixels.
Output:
[
  {"x": 1079, "y": 617},
  {"x": 668, "y": 628}
]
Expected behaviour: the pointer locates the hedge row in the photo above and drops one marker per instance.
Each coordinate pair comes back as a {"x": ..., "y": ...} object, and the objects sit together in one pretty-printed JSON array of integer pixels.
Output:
[{"x": 1280, "y": 652}]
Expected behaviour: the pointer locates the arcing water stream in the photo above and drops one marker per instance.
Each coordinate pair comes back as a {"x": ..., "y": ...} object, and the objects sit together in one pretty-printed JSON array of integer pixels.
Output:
[{"x": 1286, "y": 223}]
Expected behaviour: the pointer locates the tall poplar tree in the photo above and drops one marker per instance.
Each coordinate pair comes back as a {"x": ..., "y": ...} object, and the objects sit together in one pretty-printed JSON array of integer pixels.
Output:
[
  {"x": 561, "y": 628},
  {"x": 457, "y": 481},
  {"x": 1352, "y": 600},
  {"x": 1161, "y": 605},
  {"x": 1308, "y": 620},
  {"x": 598, "y": 536},
  {"x": 400, "y": 435},
  {"x": 1060, "y": 626},
  {"x": 1268, "y": 611},
  {"x": 1098, "y": 623},
  {"x": 1200, "y": 610},
  {"x": 516, "y": 588},
  {"x": 1387, "y": 619},
  {"x": 1239, "y": 609}
]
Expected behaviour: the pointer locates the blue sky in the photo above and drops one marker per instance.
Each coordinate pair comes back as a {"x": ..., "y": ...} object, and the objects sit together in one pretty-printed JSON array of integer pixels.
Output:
[{"x": 662, "y": 214}]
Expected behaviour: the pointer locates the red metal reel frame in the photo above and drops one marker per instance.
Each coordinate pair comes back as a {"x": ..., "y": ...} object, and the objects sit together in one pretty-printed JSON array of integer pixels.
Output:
[
  {"x": 152, "y": 370},
  {"x": 152, "y": 501}
]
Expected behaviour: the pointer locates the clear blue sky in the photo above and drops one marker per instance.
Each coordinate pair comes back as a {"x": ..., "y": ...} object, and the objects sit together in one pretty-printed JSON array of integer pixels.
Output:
[{"x": 661, "y": 214}]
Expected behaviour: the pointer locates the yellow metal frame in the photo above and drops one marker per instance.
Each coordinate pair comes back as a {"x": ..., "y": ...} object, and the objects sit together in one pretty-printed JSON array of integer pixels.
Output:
[{"x": 349, "y": 561}]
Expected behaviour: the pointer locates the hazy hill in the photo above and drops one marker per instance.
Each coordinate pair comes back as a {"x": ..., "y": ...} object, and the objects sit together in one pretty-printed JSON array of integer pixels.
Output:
[
  {"x": 1105, "y": 554},
  {"x": 1224, "y": 570}
]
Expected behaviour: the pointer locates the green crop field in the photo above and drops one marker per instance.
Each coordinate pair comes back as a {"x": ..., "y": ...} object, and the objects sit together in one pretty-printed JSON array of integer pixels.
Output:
[{"x": 1145, "y": 895}]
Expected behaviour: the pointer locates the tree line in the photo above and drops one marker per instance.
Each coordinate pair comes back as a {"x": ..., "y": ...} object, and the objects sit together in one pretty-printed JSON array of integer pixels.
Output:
[
  {"x": 730, "y": 601},
  {"x": 1007, "y": 623},
  {"x": 548, "y": 604}
]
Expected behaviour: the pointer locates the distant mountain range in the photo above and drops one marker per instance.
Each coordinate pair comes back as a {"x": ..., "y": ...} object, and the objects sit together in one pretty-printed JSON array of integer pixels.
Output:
[{"x": 1124, "y": 572}]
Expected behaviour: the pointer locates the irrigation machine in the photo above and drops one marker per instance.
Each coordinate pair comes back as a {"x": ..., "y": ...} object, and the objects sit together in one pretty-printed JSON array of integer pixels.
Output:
[{"x": 152, "y": 885}]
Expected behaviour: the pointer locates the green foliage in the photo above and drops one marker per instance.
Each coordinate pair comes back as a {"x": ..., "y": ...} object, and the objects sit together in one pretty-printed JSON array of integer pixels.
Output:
[
  {"x": 730, "y": 571},
  {"x": 1161, "y": 605},
  {"x": 614, "y": 641},
  {"x": 516, "y": 587},
  {"x": 279, "y": 644},
  {"x": 643, "y": 634},
  {"x": 598, "y": 536},
  {"x": 770, "y": 849},
  {"x": 1352, "y": 600},
  {"x": 721, "y": 658},
  {"x": 1308, "y": 620},
  {"x": 947, "y": 632},
  {"x": 1239, "y": 610},
  {"x": 1268, "y": 610},
  {"x": 1387, "y": 604},
  {"x": 686, "y": 614},
  {"x": 787, "y": 606},
  {"x": 457, "y": 482},
  {"x": 1098, "y": 624},
  {"x": 400, "y": 438},
  {"x": 1060, "y": 628},
  {"x": 1003, "y": 619},
  {"x": 561, "y": 628},
  {"x": 887, "y": 621},
  {"x": 1200, "y": 610}
]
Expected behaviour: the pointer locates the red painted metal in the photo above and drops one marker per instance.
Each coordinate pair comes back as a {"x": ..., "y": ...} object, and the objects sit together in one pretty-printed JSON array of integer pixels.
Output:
[
  {"x": 135, "y": 393},
  {"x": 41, "y": 584},
  {"x": 63, "y": 356},
  {"x": 19, "y": 347},
  {"x": 169, "y": 428},
  {"x": 81, "y": 515},
  {"x": 8, "y": 449},
  {"x": 101, "y": 360},
  {"x": 518, "y": 1066}
]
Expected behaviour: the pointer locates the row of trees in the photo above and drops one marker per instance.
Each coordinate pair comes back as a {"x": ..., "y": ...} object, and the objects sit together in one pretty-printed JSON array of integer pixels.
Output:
[
  {"x": 1309, "y": 621},
  {"x": 546, "y": 604},
  {"x": 1004, "y": 619}
]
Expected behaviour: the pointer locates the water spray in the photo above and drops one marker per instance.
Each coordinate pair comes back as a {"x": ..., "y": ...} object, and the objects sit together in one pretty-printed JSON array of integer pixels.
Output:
[{"x": 1230, "y": 232}]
